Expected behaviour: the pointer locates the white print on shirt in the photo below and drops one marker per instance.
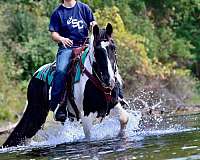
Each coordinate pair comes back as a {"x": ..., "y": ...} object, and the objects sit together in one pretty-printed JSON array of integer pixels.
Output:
[{"x": 75, "y": 23}]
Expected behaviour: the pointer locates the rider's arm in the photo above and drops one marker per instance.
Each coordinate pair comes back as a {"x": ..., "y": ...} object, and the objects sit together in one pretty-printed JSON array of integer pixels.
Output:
[
  {"x": 54, "y": 28},
  {"x": 90, "y": 19},
  {"x": 56, "y": 37},
  {"x": 59, "y": 39}
]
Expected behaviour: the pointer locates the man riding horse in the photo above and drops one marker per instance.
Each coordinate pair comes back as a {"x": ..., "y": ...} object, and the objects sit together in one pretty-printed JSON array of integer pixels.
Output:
[
  {"x": 69, "y": 26},
  {"x": 95, "y": 94}
]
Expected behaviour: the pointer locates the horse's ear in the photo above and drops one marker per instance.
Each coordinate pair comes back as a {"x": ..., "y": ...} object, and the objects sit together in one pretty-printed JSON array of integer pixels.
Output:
[
  {"x": 96, "y": 31},
  {"x": 109, "y": 29}
]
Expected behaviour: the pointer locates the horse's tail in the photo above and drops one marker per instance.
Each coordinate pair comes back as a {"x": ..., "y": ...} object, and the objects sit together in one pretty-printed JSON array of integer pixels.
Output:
[{"x": 34, "y": 115}]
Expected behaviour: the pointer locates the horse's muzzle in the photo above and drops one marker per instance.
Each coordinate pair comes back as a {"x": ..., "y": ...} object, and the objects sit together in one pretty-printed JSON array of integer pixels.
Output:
[{"x": 110, "y": 85}]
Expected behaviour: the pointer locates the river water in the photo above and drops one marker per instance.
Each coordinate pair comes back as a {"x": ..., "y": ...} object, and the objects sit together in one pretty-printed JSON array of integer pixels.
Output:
[{"x": 174, "y": 137}]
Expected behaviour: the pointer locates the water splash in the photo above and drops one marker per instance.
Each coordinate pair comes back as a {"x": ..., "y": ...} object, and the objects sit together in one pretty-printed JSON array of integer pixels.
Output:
[
  {"x": 73, "y": 131},
  {"x": 55, "y": 133}
]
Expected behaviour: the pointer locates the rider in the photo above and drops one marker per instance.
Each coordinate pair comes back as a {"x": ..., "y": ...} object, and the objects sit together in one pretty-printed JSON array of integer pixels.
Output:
[{"x": 69, "y": 26}]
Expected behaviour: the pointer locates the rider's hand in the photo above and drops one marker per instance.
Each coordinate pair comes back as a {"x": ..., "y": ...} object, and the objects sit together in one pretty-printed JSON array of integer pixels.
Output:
[{"x": 66, "y": 42}]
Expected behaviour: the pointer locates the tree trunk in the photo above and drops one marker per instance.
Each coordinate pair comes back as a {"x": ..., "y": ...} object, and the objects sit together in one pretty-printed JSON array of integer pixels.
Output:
[{"x": 198, "y": 69}]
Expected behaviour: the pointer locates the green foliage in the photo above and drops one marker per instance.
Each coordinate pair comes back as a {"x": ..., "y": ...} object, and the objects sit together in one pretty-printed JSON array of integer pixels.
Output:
[
  {"x": 99, "y": 4},
  {"x": 132, "y": 54},
  {"x": 146, "y": 28},
  {"x": 155, "y": 40},
  {"x": 21, "y": 25},
  {"x": 181, "y": 19},
  {"x": 172, "y": 48},
  {"x": 31, "y": 55},
  {"x": 12, "y": 98},
  {"x": 110, "y": 15},
  {"x": 28, "y": 40},
  {"x": 48, "y": 6}
]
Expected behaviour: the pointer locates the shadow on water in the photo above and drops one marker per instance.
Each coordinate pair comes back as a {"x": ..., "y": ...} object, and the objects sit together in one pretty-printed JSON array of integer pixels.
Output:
[{"x": 175, "y": 137}]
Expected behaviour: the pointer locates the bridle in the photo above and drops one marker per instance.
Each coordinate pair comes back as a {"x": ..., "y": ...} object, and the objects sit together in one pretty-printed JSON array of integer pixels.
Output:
[
  {"x": 95, "y": 79},
  {"x": 111, "y": 42}
]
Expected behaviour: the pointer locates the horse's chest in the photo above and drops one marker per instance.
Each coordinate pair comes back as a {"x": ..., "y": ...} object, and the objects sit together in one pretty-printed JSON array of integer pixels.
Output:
[{"x": 94, "y": 100}]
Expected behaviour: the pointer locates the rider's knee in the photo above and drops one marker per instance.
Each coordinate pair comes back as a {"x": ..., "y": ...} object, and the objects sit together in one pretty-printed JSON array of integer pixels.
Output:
[
  {"x": 63, "y": 61},
  {"x": 62, "y": 70},
  {"x": 61, "y": 73}
]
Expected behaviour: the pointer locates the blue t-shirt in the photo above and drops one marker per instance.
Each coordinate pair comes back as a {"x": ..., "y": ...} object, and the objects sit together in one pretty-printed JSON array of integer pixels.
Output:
[{"x": 72, "y": 23}]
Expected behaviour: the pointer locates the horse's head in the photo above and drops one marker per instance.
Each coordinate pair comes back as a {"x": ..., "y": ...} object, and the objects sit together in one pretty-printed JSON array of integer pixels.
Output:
[{"x": 104, "y": 52}]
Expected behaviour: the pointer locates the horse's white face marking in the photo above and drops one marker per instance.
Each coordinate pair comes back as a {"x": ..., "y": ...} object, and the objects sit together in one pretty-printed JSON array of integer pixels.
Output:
[
  {"x": 111, "y": 73},
  {"x": 110, "y": 70},
  {"x": 104, "y": 44}
]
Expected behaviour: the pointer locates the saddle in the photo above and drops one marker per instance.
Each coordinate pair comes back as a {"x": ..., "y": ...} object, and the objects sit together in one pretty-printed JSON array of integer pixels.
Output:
[{"x": 76, "y": 52}]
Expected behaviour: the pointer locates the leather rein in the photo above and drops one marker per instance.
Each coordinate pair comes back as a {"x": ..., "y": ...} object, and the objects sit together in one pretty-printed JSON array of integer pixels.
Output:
[{"x": 96, "y": 81}]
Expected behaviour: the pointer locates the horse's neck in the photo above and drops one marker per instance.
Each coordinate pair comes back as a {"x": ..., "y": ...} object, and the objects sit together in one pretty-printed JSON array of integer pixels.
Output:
[{"x": 89, "y": 61}]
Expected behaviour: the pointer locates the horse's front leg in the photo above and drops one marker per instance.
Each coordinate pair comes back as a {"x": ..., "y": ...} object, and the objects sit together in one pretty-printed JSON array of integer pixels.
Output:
[
  {"x": 87, "y": 125},
  {"x": 123, "y": 117}
]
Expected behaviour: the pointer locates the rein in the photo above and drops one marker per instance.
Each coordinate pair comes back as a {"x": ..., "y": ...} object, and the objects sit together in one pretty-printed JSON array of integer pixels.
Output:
[{"x": 96, "y": 81}]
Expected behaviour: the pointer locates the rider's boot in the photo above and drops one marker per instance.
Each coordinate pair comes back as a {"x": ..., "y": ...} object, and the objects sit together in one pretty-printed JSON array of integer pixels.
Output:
[{"x": 60, "y": 113}]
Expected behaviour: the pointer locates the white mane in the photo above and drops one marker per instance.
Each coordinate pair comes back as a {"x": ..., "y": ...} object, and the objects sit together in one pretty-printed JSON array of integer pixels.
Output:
[
  {"x": 91, "y": 47},
  {"x": 91, "y": 40}
]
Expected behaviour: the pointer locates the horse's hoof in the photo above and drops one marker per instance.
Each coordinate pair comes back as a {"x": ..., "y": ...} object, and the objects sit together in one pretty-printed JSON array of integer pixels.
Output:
[{"x": 122, "y": 134}]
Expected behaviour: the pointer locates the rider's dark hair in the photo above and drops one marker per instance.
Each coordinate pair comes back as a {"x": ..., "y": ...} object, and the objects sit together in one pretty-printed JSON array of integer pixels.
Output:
[{"x": 61, "y": 1}]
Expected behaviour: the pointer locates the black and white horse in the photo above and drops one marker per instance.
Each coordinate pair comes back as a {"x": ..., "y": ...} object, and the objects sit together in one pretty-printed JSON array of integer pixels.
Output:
[{"x": 95, "y": 95}]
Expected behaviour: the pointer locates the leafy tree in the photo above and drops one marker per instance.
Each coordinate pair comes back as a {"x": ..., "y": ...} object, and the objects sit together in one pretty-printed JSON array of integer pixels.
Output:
[
  {"x": 156, "y": 40},
  {"x": 27, "y": 40}
]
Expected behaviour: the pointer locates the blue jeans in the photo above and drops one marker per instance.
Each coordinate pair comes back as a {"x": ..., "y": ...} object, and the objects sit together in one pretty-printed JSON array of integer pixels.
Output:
[{"x": 59, "y": 81}]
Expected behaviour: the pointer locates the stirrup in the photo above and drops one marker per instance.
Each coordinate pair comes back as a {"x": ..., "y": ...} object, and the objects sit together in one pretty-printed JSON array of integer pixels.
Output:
[{"x": 63, "y": 115}]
